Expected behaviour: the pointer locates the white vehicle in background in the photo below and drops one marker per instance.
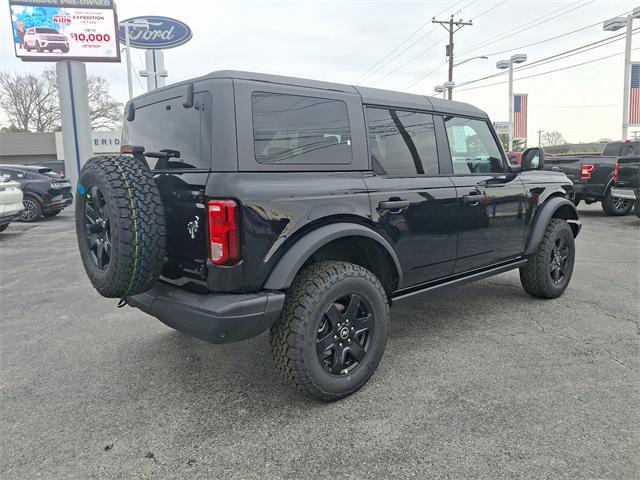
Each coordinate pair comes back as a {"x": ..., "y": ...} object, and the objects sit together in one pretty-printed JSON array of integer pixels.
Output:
[
  {"x": 41, "y": 39},
  {"x": 10, "y": 202}
]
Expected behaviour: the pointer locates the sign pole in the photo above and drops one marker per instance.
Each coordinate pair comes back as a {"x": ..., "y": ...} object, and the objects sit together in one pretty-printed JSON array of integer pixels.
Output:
[
  {"x": 71, "y": 77},
  {"x": 128, "y": 49}
]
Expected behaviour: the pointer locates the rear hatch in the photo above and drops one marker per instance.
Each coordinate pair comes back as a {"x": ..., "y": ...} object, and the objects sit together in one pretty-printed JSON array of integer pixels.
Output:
[{"x": 177, "y": 146}]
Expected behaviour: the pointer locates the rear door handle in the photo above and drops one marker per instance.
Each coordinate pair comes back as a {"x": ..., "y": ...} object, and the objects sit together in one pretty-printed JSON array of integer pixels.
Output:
[{"x": 393, "y": 204}]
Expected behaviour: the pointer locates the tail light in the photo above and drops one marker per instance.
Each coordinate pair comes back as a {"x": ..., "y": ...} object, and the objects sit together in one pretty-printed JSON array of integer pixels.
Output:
[
  {"x": 586, "y": 171},
  {"x": 132, "y": 149},
  {"x": 616, "y": 172},
  {"x": 224, "y": 237}
]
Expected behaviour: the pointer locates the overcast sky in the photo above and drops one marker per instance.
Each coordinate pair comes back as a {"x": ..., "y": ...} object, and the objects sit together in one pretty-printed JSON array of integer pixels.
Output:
[{"x": 339, "y": 40}]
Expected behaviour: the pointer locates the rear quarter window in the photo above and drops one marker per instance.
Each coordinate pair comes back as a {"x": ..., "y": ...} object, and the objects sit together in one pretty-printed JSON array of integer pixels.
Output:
[{"x": 300, "y": 130}]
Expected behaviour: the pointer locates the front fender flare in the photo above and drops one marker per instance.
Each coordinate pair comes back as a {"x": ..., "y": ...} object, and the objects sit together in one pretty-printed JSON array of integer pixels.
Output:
[
  {"x": 289, "y": 265},
  {"x": 545, "y": 215}
]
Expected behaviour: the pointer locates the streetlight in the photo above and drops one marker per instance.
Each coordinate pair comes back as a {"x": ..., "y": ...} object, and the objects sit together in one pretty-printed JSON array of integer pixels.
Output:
[
  {"x": 502, "y": 65},
  {"x": 482, "y": 57},
  {"x": 449, "y": 86},
  {"x": 141, "y": 24},
  {"x": 612, "y": 25},
  {"x": 440, "y": 89}
]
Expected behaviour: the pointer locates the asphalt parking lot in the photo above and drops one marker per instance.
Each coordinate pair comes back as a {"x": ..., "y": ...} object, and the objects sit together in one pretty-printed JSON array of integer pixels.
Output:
[{"x": 479, "y": 382}]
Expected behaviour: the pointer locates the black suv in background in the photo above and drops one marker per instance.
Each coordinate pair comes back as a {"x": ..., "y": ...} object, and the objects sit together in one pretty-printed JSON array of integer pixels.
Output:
[
  {"x": 45, "y": 192},
  {"x": 246, "y": 202}
]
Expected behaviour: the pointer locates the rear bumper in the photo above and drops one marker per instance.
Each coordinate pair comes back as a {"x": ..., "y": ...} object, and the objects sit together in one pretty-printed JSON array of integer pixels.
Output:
[
  {"x": 57, "y": 202},
  {"x": 7, "y": 218},
  {"x": 626, "y": 193},
  {"x": 216, "y": 318}
]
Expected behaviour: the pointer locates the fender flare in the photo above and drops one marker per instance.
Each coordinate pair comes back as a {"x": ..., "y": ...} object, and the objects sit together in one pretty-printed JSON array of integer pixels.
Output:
[
  {"x": 289, "y": 265},
  {"x": 543, "y": 218}
]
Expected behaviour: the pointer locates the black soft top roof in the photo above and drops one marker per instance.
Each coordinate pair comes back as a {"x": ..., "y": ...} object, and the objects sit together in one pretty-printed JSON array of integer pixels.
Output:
[{"x": 373, "y": 96}]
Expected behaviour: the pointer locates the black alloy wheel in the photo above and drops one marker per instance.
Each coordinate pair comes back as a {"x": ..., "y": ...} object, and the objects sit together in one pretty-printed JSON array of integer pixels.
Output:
[
  {"x": 32, "y": 210},
  {"x": 332, "y": 330},
  {"x": 98, "y": 228},
  {"x": 559, "y": 262},
  {"x": 345, "y": 333},
  {"x": 614, "y": 206},
  {"x": 620, "y": 204}
]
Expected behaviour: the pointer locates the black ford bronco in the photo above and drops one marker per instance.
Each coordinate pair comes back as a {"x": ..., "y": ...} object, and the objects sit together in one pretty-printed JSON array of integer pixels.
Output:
[{"x": 245, "y": 202}]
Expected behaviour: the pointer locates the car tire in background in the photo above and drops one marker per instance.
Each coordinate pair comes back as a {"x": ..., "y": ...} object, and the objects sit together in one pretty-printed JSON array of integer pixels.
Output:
[
  {"x": 332, "y": 330},
  {"x": 120, "y": 225},
  {"x": 615, "y": 207},
  {"x": 32, "y": 210}
]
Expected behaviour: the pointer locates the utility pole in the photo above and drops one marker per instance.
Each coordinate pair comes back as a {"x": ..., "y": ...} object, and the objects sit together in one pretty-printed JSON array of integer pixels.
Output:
[
  {"x": 452, "y": 27},
  {"x": 540, "y": 132}
]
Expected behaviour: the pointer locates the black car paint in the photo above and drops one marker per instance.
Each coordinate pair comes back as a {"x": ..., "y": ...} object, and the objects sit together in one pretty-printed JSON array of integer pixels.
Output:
[
  {"x": 36, "y": 183},
  {"x": 595, "y": 188},
  {"x": 436, "y": 235}
]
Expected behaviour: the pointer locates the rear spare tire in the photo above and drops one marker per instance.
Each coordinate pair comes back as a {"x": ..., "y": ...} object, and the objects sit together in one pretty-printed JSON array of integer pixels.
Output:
[{"x": 120, "y": 226}]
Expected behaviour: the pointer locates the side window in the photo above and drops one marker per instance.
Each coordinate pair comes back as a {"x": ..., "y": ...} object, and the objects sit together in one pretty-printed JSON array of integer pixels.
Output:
[
  {"x": 627, "y": 151},
  {"x": 473, "y": 147},
  {"x": 402, "y": 143},
  {"x": 294, "y": 129},
  {"x": 168, "y": 125}
]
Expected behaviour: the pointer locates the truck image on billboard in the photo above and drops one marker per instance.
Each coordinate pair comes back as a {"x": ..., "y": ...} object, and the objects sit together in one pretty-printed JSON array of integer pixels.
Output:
[{"x": 51, "y": 30}]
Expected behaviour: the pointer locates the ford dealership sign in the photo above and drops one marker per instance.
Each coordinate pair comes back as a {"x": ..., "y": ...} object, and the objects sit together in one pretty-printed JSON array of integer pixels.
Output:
[{"x": 155, "y": 32}]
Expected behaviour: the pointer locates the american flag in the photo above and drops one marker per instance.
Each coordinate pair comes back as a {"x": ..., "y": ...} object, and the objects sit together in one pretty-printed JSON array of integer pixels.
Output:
[
  {"x": 520, "y": 115},
  {"x": 634, "y": 95}
]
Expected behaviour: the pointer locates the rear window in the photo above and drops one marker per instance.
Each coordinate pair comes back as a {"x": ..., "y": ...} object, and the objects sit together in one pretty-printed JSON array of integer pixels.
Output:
[
  {"x": 169, "y": 126},
  {"x": 293, "y": 129}
]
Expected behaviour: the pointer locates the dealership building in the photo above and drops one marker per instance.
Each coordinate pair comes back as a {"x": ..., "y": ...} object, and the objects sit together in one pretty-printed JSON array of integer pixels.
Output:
[{"x": 23, "y": 148}]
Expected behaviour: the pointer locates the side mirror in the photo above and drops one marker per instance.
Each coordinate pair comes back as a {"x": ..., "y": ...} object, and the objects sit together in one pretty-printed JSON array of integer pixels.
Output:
[{"x": 532, "y": 159}]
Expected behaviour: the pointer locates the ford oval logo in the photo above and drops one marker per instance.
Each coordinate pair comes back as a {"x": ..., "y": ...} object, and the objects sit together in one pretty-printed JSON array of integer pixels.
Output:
[{"x": 155, "y": 32}]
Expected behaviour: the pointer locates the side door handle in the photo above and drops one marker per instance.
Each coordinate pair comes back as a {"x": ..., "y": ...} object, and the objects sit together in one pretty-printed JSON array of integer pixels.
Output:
[
  {"x": 472, "y": 199},
  {"x": 394, "y": 205}
]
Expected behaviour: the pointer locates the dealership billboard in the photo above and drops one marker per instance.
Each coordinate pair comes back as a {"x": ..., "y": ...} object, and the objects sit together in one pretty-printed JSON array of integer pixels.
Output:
[{"x": 52, "y": 30}]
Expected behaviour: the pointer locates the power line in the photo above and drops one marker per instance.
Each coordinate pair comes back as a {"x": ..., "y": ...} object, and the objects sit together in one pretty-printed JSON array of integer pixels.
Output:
[
  {"x": 529, "y": 25},
  {"x": 549, "y": 71},
  {"x": 430, "y": 47},
  {"x": 503, "y": 36},
  {"x": 366, "y": 73},
  {"x": 556, "y": 57}
]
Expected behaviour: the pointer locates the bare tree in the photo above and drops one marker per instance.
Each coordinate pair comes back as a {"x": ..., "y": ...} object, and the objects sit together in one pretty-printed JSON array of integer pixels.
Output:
[
  {"x": 104, "y": 111},
  {"x": 549, "y": 139},
  {"x": 30, "y": 102}
]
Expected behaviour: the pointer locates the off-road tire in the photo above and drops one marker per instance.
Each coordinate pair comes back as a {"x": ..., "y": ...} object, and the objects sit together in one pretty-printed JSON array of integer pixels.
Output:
[
  {"x": 52, "y": 213},
  {"x": 609, "y": 205},
  {"x": 535, "y": 276},
  {"x": 136, "y": 222},
  {"x": 293, "y": 337}
]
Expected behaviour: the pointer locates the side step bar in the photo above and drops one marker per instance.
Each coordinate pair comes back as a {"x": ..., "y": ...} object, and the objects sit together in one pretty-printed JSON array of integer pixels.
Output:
[{"x": 458, "y": 280}]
